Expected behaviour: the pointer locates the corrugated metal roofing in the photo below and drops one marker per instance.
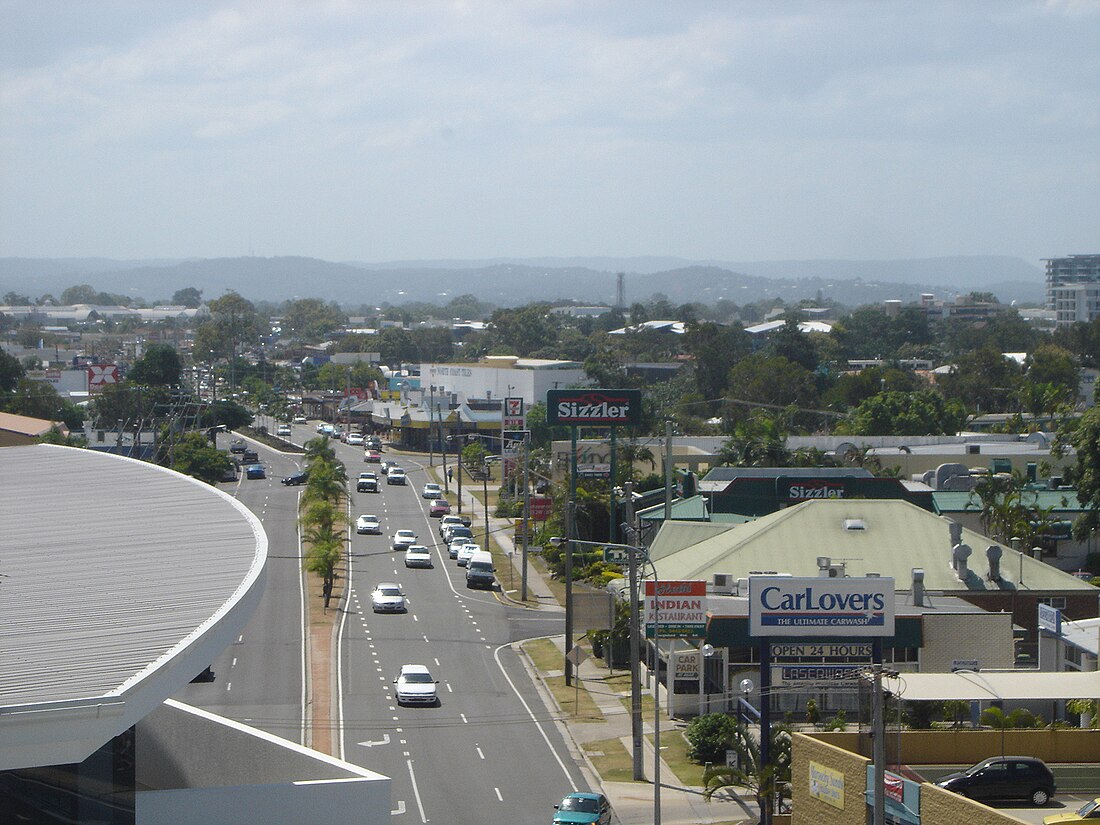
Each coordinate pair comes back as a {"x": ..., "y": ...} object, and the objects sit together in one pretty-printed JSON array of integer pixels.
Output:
[
  {"x": 108, "y": 565},
  {"x": 898, "y": 536},
  {"x": 990, "y": 686},
  {"x": 959, "y": 501}
]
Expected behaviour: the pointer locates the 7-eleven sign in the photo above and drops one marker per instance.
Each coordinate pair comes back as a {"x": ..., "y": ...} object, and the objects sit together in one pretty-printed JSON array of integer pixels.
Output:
[
  {"x": 100, "y": 375},
  {"x": 514, "y": 418}
]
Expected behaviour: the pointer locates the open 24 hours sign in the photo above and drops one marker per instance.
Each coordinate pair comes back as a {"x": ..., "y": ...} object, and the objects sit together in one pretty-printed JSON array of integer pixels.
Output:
[{"x": 795, "y": 606}]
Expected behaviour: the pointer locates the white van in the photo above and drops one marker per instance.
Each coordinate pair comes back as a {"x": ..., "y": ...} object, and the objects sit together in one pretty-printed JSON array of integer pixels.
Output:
[{"x": 479, "y": 570}]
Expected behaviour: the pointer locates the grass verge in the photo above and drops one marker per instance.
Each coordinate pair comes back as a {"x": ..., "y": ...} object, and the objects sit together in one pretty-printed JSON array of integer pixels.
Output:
[
  {"x": 575, "y": 702},
  {"x": 611, "y": 759}
]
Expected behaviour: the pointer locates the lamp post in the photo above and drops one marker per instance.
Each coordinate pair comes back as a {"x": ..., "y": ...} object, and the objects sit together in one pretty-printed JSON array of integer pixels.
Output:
[{"x": 633, "y": 555}]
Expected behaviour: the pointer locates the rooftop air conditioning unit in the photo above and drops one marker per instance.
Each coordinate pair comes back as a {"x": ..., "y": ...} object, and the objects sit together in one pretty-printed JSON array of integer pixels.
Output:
[
  {"x": 837, "y": 571},
  {"x": 724, "y": 584}
]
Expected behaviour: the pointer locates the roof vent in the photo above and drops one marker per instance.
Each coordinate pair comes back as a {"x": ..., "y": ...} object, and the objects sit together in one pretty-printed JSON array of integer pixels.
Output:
[{"x": 854, "y": 524}]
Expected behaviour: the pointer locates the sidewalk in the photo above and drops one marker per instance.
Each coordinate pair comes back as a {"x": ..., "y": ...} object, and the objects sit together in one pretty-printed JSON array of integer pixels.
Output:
[{"x": 632, "y": 802}]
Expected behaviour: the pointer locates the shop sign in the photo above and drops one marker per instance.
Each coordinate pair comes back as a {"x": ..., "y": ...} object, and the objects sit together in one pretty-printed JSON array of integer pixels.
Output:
[
  {"x": 681, "y": 607},
  {"x": 803, "y": 606},
  {"x": 827, "y": 785},
  {"x": 593, "y": 407}
]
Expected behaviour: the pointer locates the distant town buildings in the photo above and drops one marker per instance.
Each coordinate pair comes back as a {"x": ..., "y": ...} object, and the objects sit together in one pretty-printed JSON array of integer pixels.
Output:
[{"x": 1073, "y": 288}]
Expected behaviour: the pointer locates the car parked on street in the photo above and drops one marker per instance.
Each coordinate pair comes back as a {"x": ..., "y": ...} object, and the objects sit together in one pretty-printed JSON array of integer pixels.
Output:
[
  {"x": 368, "y": 525},
  {"x": 439, "y": 507},
  {"x": 403, "y": 539},
  {"x": 583, "y": 809},
  {"x": 1004, "y": 778},
  {"x": 460, "y": 531},
  {"x": 466, "y": 552},
  {"x": 448, "y": 521},
  {"x": 1089, "y": 812},
  {"x": 417, "y": 555},
  {"x": 388, "y": 597},
  {"x": 415, "y": 685},
  {"x": 455, "y": 546}
]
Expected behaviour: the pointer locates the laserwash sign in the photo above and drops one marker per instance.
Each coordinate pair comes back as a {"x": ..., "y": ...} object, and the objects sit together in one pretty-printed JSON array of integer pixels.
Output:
[{"x": 789, "y": 606}]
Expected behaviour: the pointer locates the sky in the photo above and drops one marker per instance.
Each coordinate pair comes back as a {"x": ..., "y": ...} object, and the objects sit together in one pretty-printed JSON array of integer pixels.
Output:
[{"x": 382, "y": 131}]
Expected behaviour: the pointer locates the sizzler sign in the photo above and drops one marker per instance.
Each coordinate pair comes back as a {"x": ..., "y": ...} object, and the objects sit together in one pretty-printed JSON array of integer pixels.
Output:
[
  {"x": 605, "y": 408},
  {"x": 789, "y": 606}
]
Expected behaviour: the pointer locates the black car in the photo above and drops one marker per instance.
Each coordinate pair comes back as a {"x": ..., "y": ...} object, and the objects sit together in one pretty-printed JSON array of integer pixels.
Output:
[
  {"x": 297, "y": 478},
  {"x": 237, "y": 446},
  {"x": 1004, "y": 777},
  {"x": 250, "y": 457}
]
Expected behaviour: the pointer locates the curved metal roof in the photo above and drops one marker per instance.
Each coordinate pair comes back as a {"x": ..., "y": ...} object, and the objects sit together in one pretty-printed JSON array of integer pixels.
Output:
[{"x": 119, "y": 582}]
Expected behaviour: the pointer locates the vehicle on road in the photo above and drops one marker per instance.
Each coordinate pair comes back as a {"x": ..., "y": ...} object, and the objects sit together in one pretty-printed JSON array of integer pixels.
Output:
[
  {"x": 354, "y": 440},
  {"x": 479, "y": 570},
  {"x": 283, "y": 431},
  {"x": 1090, "y": 811},
  {"x": 250, "y": 457},
  {"x": 372, "y": 442},
  {"x": 387, "y": 597},
  {"x": 237, "y": 446},
  {"x": 414, "y": 685},
  {"x": 396, "y": 476},
  {"x": 299, "y": 419},
  {"x": 296, "y": 479},
  {"x": 432, "y": 491},
  {"x": 466, "y": 552},
  {"x": 417, "y": 555},
  {"x": 458, "y": 544},
  {"x": 439, "y": 507},
  {"x": 373, "y": 457},
  {"x": 255, "y": 471},
  {"x": 367, "y": 483},
  {"x": 1004, "y": 778},
  {"x": 403, "y": 539},
  {"x": 365, "y": 525},
  {"x": 458, "y": 532},
  {"x": 448, "y": 521},
  {"x": 583, "y": 809}
]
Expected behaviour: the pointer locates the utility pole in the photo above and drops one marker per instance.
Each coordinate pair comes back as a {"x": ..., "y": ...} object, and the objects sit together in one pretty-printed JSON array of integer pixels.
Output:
[
  {"x": 431, "y": 422},
  {"x": 635, "y": 649},
  {"x": 668, "y": 471},
  {"x": 878, "y": 717},
  {"x": 526, "y": 512}
]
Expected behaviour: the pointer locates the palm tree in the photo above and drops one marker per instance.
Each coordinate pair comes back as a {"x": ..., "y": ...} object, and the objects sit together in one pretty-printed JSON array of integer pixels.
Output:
[
  {"x": 328, "y": 481},
  {"x": 769, "y": 783},
  {"x": 322, "y": 559}
]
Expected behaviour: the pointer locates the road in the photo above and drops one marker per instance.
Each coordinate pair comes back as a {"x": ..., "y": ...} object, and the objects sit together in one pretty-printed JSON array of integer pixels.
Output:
[
  {"x": 490, "y": 752},
  {"x": 259, "y": 679}
]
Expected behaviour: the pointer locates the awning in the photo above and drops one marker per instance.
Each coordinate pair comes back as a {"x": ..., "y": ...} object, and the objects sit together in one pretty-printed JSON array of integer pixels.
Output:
[{"x": 991, "y": 686}]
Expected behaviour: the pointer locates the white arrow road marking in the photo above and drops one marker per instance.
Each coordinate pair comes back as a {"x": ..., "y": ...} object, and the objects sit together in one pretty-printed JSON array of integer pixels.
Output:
[
  {"x": 400, "y": 809},
  {"x": 371, "y": 744}
]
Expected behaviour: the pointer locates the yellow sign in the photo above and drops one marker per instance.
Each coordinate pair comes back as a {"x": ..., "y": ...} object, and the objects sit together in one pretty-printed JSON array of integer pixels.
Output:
[
  {"x": 827, "y": 785},
  {"x": 519, "y": 530}
]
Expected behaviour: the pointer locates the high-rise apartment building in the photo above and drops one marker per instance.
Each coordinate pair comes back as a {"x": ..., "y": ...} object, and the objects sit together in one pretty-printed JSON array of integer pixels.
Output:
[{"x": 1073, "y": 288}]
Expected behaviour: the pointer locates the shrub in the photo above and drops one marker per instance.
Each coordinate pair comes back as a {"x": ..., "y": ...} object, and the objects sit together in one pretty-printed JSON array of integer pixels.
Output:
[{"x": 709, "y": 736}]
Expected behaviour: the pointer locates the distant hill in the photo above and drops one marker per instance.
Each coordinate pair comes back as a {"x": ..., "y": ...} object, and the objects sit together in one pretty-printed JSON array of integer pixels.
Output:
[{"x": 511, "y": 282}]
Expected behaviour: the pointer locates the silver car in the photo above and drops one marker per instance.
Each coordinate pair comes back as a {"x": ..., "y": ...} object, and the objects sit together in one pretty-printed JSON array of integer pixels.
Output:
[{"x": 388, "y": 597}]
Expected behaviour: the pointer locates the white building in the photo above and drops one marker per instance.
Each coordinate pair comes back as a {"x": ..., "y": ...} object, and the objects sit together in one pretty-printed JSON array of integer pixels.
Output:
[{"x": 502, "y": 376}]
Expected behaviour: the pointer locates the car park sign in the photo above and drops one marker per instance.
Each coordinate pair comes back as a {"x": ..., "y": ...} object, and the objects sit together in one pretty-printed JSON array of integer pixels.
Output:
[{"x": 794, "y": 606}]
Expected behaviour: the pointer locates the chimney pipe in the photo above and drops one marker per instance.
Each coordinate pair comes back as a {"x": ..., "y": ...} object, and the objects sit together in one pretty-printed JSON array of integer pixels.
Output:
[
  {"x": 959, "y": 554},
  {"x": 918, "y": 586},
  {"x": 993, "y": 553},
  {"x": 823, "y": 565}
]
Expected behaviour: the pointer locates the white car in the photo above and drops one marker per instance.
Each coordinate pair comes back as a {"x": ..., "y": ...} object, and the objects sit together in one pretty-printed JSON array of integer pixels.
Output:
[
  {"x": 402, "y": 539},
  {"x": 395, "y": 476},
  {"x": 446, "y": 522},
  {"x": 414, "y": 685},
  {"x": 299, "y": 419},
  {"x": 283, "y": 430},
  {"x": 387, "y": 597},
  {"x": 432, "y": 491},
  {"x": 458, "y": 544},
  {"x": 368, "y": 525},
  {"x": 355, "y": 439},
  {"x": 464, "y": 553},
  {"x": 417, "y": 555}
]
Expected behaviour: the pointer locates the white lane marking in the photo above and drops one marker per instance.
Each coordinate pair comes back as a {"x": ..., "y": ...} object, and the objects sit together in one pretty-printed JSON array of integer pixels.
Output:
[
  {"x": 476, "y": 748},
  {"x": 499, "y": 797},
  {"x": 426, "y": 639},
  {"x": 465, "y": 721},
  {"x": 436, "y": 662},
  {"x": 370, "y": 743},
  {"x": 449, "y": 690},
  {"x": 234, "y": 662},
  {"x": 400, "y": 809},
  {"x": 415, "y": 619},
  {"x": 303, "y": 628},
  {"x": 228, "y": 686},
  {"x": 530, "y": 713}
]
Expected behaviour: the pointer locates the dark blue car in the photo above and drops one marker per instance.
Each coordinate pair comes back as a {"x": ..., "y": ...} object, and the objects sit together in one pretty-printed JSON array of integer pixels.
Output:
[{"x": 255, "y": 471}]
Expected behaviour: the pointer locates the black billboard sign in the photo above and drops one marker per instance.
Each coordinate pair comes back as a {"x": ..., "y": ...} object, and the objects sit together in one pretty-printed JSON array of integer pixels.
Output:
[{"x": 593, "y": 408}]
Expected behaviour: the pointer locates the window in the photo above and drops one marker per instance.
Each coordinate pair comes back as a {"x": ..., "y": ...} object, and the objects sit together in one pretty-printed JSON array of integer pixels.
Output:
[{"x": 1054, "y": 601}]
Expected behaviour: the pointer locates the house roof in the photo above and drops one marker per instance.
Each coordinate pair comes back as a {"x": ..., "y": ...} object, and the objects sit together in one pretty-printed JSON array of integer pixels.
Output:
[
  {"x": 25, "y": 425},
  {"x": 896, "y": 537},
  {"x": 966, "y": 501}
]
